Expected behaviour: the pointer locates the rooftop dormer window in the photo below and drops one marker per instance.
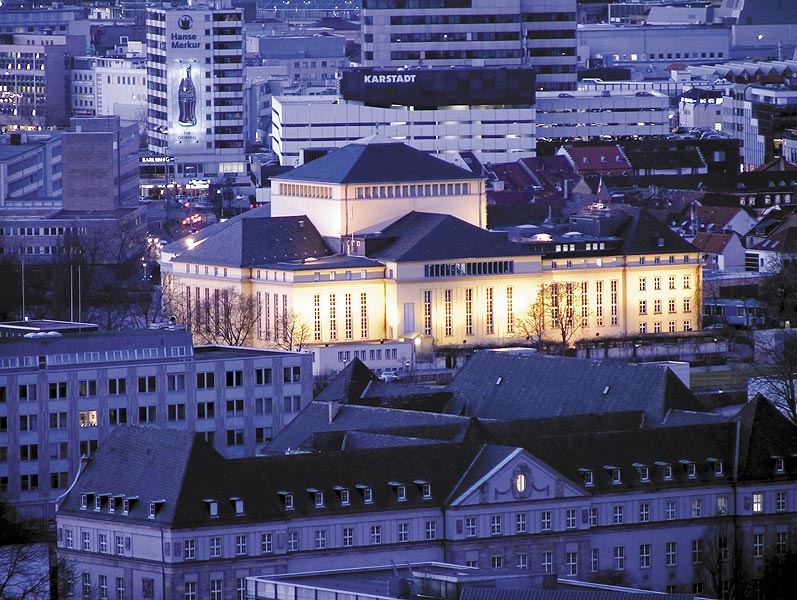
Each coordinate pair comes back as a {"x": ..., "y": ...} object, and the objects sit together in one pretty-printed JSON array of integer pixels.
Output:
[
  {"x": 287, "y": 500},
  {"x": 318, "y": 498},
  {"x": 588, "y": 477},
  {"x": 780, "y": 464},
  {"x": 155, "y": 506},
  {"x": 98, "y": 502},
  {"x": 644, "y": 473},
  {"x": 614, "y": 474},
  {"x": 368, "y": 495},
  {"x": 718, "y": 466},
  {"x": 213, "y": 507},
  {"x": 83, "y": 501},
  {"x": 238, "y": 504},
  {"x": 666, "y": 472},
  {"x": 343, "y": 495},
  {"x": 400, "y": 489},
  {"x": 425, "y": 487}
]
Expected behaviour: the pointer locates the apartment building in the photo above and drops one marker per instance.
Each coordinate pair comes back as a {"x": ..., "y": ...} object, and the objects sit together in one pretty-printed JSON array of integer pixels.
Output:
[{"x": 62, "y": 394}]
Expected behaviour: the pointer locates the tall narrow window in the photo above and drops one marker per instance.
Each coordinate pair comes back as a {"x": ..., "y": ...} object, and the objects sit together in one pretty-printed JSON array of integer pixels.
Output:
[
  {"x": 317, "y": 317},
  {"x": 363, "y": 316},
  {"x": 489, "y": 314},
  {"x": 448, "y": 301},
  {"x": 349, "y": 330},
  {"x": 469, "y": 311},
  {"x": 599, "y": 303},
  {"x": 276, "y": 316},
  {"x": 585, "y": 304},
  {"x": 510, "y": 311},
  {"x": 259, "y": 303},
  {"x": 333, "y": 318},
  {"x": 427, "y": 312},
  {"x": 613, "y": 300},
  {"x": 267, "y": 315},
  {"x": 284, "y": 316}
]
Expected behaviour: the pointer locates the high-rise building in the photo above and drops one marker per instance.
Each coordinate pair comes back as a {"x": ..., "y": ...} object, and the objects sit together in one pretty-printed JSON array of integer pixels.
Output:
[
  {"x": 540, "y": 33},
  {"x": 194, "y": 87}
]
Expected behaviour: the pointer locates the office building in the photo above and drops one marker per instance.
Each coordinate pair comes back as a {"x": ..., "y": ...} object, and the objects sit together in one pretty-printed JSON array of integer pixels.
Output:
[
  {"x": 536, "y": 33},
  {"x": 486, "y": 110},
  {"x": 62, "y": 394},
  {"x": 194, "y": 86},
  {"x": 574, "y": 496},
  {"x": 30, "y": 169}
]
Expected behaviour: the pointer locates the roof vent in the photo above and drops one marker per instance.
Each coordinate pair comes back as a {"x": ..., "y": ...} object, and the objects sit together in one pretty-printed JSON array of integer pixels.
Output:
[
  {"x": 606, "y": 389},
  {"x": 499, "y": 380}
]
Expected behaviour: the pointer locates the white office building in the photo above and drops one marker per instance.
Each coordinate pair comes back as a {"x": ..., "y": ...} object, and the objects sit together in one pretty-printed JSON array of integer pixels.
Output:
[
  {"x": 195, "y": 82},
  {"x": 539, "y": 33}
]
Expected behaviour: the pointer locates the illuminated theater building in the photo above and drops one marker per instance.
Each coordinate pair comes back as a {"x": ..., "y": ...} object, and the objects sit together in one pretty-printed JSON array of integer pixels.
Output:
[
  {"x": 194, "y": 88},
  {"x": 379, "y": 241},
  {"x": 485, "y": 110}
]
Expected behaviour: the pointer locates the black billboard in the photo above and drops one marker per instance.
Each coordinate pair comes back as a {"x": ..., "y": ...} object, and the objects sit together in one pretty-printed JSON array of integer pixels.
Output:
[{"x": 433, "y": 87}]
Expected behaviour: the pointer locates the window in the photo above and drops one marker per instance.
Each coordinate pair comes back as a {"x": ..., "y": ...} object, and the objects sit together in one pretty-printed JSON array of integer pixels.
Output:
[
  {"x": 235, "y": 408},
  {"x": 85, "y": 541},
  {"x": 235, "y": 437},
  {"x": 780, "y": 501},
  {"x": 781, "y": 542},
  {"x": 470, "y": 526},
  {"x": 102, "y": 542},
  {"x": 120, "y": 588},
  {"x": 758, "y": 545},
  {"x": 29, "y": 452},
  {"x": 431, "y": 530},
  {"x": 175, "y": 382},
  {"x": 189, "y": 549},
  {"x": 644, "y": 556},
  {"x": 291, "y": 404},
  {"x": 691, "y": 470},
  {"x": 147, "y": 414},
  {"x": 103, "y": 585},
  {"x": 697, "y": 551},
  {"x": 571, "y": 564},
  {"x": 687, "y": 281},
  {"x": 618, "y": 515},
  {"x": 293, "y": 541},
  {"x": 593, "y": 516},
  {"x": 594, "y": 560},
  {"x": 657, "y": 306},
  {"x": 671, "y": 554},
  {"x": 687, "y": 305},
  {"x": 758, "y": 502},
  {"x": 671, "y": 282},
  {"x": 215, "y": 547},
  {"x": 147, "y": 384},
  {"x": 697, "y": 508},
  {"x": 87, "y": 388},
  {"x": 545, "y": 520},
  {"x": 570, "y": 518},
  {"x": 117, "y": 387},
  {"x": 670, "y": 512},
  {"x": 266, "y": 543},
  {"x": 520, "y": 523},
  {"x": 547, "y": 561},
  {"x": 216, "y": 589},
  {"x": 57, "y": 391},
  {"x": 240, "y": 545},
  {"x": 120, "y": 545},
  {"x": 291, "y": 374},
  {"x": 619, "y": 558},
  {"x": 644, "y": 512},
  {"x": 671, "y": 305},
  {"x": 176, "y": 412},
  {"x": 117, "y": 416},
  {"x": 643, "y": 282},
  {"x": 320, "y": 539},
  {"x": 667, "y": 472},
  {"x": 722, "y": 506},
  {"x": 234, "y": 378},
  {"x": 263, "y": 376},
  {"x": 240, "y": 588},
  {"x": 657, "y": 283},
  {"x": 497, "y": 561},
  {"x": 205, "y": 381},
  {"x": 616, "y": 477},
  {"x": 495, "y": 525},
  {"x": 718, "y": 468},
  {"x": 376, "y": 534},
  {"x": 643, "y": 307},
  {"x": 522, "y": 560},
  {"x": 348, "y": 536}
]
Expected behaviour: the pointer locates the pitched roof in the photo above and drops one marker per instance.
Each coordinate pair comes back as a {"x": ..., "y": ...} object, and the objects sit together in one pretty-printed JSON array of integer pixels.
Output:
[
  {"x": 643, "y": 231},
  {"x": 421, "y": 236},
  {"x": 315, "y": 417},
  {"x": 255, "y": 239},
  {"x": 712, "y": 243},
  {"x": 376, "y": 159},
  {"x": 507, "y": 386}
]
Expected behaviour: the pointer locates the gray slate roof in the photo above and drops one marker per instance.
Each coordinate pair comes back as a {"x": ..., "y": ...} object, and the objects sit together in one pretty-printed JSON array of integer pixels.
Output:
[
  {"x": 254, "y": 239},
  {"x": 420, "y": 236},
  {"x": 315, "y": 418},
  {"x": 376, "y": 159},
  {"x": 510, "y": 386}
]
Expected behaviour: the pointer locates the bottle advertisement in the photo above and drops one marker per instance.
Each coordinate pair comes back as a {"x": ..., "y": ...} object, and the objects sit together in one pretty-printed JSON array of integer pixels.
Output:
[{"x": 185, "y": 40}]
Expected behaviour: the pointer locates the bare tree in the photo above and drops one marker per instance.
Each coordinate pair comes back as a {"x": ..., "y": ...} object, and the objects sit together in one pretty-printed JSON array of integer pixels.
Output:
[
  {"x": 292, "y": 332},
  {"x": 779, "y": 288},
  {"x": 723, "y": 561},
  {"x": 226, "y": 316},
  {"x": 560, "y": 308},
  {"x": 776, "y": 369}
]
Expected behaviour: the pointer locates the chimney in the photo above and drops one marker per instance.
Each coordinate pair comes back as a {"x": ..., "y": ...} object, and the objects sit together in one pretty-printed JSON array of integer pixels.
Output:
[{"x": 334, "y": 409}]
